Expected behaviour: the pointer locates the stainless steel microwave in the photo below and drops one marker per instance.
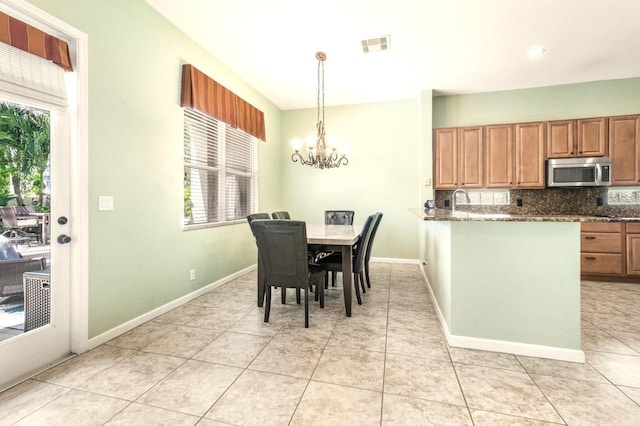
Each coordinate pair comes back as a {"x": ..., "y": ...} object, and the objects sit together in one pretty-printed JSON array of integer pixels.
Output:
[{"x": 570, "y": 172}]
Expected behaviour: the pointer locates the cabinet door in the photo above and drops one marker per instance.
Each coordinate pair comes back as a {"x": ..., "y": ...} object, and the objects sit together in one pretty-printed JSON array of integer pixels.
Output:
[
  {"x": 624, "y": 150},
  {"x": 499, "y": 156},
  {"x": 446, "y": 159},
  {"x": 592, "y": 137},
  {"x": 471, "y": 157},
  {"x": 561, "y": 139},
  {"x": 633, "y": 254},
  {"x": 529, "y": 155}
]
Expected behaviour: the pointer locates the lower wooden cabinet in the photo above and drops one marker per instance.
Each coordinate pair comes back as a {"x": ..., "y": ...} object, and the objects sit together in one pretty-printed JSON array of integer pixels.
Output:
[
  {"x": 633, "y": 249},
  {"x": 601, "y": 249},
  {"x": 610, "y": 249}
]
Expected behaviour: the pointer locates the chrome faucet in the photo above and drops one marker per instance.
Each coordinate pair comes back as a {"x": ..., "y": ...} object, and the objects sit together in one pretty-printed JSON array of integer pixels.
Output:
[{"x": 453, "y": 198}]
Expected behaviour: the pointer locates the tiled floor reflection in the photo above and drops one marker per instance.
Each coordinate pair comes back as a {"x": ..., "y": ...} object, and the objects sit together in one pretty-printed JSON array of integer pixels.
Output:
[{"x": 214, "y": 361}]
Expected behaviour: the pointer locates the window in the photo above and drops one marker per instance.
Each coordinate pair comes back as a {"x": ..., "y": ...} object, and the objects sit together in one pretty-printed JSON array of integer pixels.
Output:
[{"x": 220, "y": 171}]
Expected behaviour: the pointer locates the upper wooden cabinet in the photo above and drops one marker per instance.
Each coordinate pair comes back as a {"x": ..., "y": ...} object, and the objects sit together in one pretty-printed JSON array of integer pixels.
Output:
[
  {"x": 499, "y": 156},
  {"x": 471, "y": 157},
  {"x": 561, "y": 139},
  {"x": 459, "y": 158},
  {"x": 446, "y": 158},
  {"x": 624, "y": 149},
  {"x": 592, "y": 137},
  {"x": 529, "y": 155},
  {"x": 577, "y": 138}
]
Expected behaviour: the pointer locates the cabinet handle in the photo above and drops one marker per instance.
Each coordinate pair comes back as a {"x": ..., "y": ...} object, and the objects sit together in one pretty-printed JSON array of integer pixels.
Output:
[
  {"x": 589, "y": 238},
  {"x": 590, "y": 258}
]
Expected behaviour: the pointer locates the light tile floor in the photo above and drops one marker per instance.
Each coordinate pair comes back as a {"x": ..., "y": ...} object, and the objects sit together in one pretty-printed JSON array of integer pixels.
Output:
[{"x": 213, "y": 361}]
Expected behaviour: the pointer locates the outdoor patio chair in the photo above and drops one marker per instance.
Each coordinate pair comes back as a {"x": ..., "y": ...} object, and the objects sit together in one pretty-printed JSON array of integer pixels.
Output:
[
  {"x": 17, "y": 231},
  {"x": 11, "y": 272}
]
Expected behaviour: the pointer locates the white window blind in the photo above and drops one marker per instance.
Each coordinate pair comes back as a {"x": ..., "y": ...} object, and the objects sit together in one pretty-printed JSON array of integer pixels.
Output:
[
  {"x": 220, "y": 171},
  {"x": 27, "y": 77}
]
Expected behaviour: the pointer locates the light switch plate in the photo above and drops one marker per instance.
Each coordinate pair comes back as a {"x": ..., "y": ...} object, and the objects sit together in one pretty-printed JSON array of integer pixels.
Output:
[{"x": 105, "y": 202}]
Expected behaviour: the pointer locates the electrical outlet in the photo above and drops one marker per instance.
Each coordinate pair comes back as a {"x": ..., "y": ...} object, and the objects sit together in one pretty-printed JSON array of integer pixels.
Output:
[{"x": 192, "y": 274}]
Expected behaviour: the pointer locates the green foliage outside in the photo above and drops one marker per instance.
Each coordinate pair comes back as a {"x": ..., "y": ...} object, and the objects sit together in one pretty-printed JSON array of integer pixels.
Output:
[{"x": 24, "y": 151}]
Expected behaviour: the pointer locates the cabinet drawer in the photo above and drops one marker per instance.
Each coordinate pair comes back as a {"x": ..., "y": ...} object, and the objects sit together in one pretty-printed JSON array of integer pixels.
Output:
[
  {"x": 601, "y": 227},
  {"x": 601, "y": 263},
  {"x": 633, "y": 228},
  {"x": 596, "y": 242}
]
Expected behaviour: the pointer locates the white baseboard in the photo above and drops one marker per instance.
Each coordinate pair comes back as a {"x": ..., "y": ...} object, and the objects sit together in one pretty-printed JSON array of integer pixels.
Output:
[
  {"x": 129, "y": 325},
  {"x": 509, "y": 347}
]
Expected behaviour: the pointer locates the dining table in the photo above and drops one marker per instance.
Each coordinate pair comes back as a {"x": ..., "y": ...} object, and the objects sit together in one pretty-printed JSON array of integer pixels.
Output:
[{"x": 327, "y": 238}]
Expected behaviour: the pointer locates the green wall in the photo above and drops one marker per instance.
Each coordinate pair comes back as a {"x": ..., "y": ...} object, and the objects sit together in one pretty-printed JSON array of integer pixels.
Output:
[
  {"x": 139, "y": 255},
  {"x": 382, "y": 174},
  {"x": 508, "y": 281},
  {"x": 582, "y": 100}
]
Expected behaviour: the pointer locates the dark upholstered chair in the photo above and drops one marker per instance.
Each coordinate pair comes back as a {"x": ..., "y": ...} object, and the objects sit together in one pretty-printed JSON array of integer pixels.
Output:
[
  {"x": 333, "y": 262},
  {"x": 250, "y": 219},
  {"x": 367, "y": 254},
  {"x": 280, "y": 215},
  {"x": 282, "y": 246},
  {"x": 338, "y": 217}
]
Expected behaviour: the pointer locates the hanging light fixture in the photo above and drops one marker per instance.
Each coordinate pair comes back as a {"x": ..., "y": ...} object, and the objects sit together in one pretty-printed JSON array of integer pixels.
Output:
[{"x": 319, "y": 154}]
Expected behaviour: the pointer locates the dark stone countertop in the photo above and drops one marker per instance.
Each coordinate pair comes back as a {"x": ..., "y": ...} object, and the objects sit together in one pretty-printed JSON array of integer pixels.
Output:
[{"x": 461, "y": 215}]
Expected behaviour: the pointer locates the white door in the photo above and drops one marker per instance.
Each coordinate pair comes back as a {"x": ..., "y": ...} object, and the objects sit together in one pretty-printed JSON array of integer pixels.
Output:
[
  {"x": 53, "y": 335},
  {"x": 46, "y": 335}
]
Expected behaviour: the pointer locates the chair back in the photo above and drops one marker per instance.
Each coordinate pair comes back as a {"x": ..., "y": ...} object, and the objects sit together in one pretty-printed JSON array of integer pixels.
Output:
[
  {"x": 376, "y": 223},
  {"x": 257, "y": 216},
  {"x": 280, "y": 215},
  {"x": 25, "y": 211},
  {"x": 282, "y": 247},
  {"x": 8, "y": 215},
  {"x": 338, "y": 217},
  {"x": 11, "y": 274},
  {"x": 360, "y": 249}
]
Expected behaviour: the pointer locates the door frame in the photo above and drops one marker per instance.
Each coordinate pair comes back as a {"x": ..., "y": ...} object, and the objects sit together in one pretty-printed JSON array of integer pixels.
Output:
[{"x": 79, "y": 170}]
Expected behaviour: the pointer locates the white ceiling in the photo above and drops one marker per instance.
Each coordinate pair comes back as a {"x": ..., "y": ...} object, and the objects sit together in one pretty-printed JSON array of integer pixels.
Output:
[{"x": 450, "y": 46}]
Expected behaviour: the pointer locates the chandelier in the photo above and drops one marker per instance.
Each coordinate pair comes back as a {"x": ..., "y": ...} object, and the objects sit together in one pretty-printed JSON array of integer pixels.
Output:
[{"x": 318, "y": 154}]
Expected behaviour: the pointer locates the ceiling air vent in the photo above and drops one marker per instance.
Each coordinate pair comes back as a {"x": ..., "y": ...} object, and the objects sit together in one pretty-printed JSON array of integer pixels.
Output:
[{"x": 376, "y": 44}]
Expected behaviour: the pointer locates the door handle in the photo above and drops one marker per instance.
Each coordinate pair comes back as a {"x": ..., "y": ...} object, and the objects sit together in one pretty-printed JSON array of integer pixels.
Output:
[{"x": 64, "y": 239}]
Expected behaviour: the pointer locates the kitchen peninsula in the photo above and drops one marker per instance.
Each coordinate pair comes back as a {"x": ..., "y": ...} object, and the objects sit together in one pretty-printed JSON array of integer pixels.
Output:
[{"x": 506, "y": 283}]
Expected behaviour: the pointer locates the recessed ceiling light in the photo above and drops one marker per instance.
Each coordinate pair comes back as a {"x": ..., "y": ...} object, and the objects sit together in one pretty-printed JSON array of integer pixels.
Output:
[{"x": 536, "y": 52}]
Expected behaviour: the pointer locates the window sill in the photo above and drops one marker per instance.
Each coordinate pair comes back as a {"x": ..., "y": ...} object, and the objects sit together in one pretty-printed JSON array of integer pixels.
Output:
[{"x": 212, "y": 225}]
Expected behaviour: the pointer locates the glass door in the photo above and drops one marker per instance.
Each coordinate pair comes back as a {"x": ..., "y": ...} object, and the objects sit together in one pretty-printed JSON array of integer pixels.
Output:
[{"x": 35, "y": 256}]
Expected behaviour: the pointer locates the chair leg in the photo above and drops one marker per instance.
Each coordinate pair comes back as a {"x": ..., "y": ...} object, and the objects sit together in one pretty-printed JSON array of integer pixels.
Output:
[
  {"x": 283, "y": 295},
  {"x": 321, "y": 295},
  {"x": 357, "y": 286},
  {"x": 267, "y": 307},
  {"x": 364, "y": 289},
  {"x": 298, "y": 296},
  {"x": 334, "y": 276},
  {"x": 306, "y": 307},
  {"x": 326, "y": 279},
  {"x": 366, "y": 273}
]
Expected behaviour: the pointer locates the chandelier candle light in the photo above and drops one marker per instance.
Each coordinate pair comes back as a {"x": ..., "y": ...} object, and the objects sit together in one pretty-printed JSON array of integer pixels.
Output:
[{"x": 319, "y": 155}]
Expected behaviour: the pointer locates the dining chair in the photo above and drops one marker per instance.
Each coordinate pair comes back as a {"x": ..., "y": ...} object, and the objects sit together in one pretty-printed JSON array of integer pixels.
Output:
[
  {"x": 338, "y": 217},
  {"x": 282, "y": 246},
  {"x": 280, "y": 215},
  {"x": 333, "y": 262},
  {"x": 283, "y": 295},
  {"x": 367, "y": 255}
]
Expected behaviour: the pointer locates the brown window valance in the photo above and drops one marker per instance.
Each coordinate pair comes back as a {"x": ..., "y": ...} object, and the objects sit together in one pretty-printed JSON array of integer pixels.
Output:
[
  {"x": 30, "y": 39},
  {"x": 201, "y": 92}
]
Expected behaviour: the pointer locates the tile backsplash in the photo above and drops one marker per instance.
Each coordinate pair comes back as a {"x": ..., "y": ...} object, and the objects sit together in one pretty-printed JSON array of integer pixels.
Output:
[{"x": 619, "y": 201}]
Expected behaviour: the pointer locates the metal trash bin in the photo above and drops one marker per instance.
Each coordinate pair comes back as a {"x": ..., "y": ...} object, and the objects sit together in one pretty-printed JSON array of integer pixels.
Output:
[{"x": 37, "y": 299}]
